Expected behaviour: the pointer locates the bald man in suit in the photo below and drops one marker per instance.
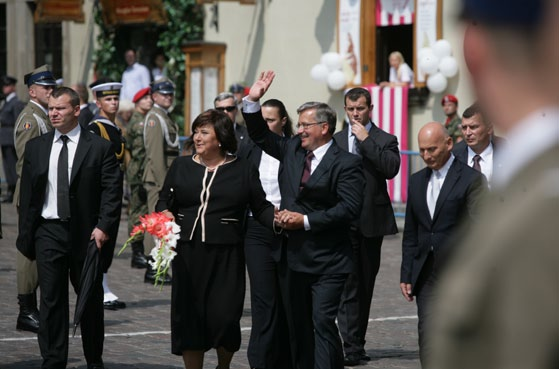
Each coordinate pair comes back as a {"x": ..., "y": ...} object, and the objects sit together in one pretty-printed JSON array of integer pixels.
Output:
[{"x": 440, "y": 197}]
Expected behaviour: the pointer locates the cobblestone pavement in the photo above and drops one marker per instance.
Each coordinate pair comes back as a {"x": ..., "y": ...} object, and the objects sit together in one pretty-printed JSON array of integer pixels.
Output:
[{"x": 139, "y": 337}]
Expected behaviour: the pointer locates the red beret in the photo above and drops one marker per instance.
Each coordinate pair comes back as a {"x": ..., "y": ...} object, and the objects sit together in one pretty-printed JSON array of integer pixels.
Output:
[
  {"x": 143, "y": 92},
  {"x": 449, "y": 98}
]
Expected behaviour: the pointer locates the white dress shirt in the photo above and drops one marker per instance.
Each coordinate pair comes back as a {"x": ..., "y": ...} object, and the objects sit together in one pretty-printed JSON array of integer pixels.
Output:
[
  {"x": 351, "y": 137},
  {"x": 50, "y": 207},
  {"x": 486, "y": 162},
  {"x": 318, "y": 154},
  {"x": 436, "y": 183}
]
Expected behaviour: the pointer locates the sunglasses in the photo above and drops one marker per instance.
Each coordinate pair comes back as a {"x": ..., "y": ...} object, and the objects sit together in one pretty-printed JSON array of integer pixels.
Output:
[{"x": 228, "y": 108}]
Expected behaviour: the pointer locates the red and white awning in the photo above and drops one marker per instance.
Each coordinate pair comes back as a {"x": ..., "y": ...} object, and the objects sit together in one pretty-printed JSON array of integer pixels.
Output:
[{"x": 394, "y": 12}]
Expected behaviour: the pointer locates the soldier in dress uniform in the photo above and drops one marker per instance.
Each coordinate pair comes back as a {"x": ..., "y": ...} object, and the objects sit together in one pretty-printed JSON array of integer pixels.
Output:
[
  {"x": 8, "y": 116},
  {"x": 103, "y": 124},
  {"x": 453, "y": 120},
  {"x": 161, "y": 139},
  {"x": 134, "y": 158},
  {"x": 33, "y": 121}
]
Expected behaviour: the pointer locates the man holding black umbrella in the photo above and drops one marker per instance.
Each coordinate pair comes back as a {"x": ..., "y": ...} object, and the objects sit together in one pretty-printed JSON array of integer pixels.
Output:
[{"x": 66, "y": 201}]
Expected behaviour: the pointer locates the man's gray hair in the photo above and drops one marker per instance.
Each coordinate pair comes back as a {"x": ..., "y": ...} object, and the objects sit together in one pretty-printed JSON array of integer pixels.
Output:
[
  {"x": 324, "y": 113},
  {"x": 224, "y": 96}
]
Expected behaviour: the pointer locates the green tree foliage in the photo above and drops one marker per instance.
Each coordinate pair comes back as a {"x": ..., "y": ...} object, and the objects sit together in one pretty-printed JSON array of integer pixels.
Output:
[
  {"x": 107, "y": 62},
  {"x": 185, "y": 23}
]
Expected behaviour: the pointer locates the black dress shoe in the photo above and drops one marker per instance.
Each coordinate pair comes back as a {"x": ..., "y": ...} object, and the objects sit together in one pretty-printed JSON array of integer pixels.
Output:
[
  {"x": 28, "y": 318},
  {"x": 95, "y": 366},
  {"x": 114, "y": 305},
  {"x": 28, "y": 322},
  {"x": 149, "y": 277},
  {"x": 352, "y": 359},
  {"x": 139, "y": 260}
]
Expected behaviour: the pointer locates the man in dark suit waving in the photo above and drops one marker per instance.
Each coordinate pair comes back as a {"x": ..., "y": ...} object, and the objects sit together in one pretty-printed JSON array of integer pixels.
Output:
[
  {"x": 381, "y": 161},
  {"x": 440, "y": 196},
  {"x": 70, "y": 194},
  {"x": 321, "y": 193}
]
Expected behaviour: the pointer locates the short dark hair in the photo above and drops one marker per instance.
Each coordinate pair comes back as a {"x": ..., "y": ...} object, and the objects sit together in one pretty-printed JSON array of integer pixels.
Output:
[
  {"x": 474, "y": 109},
  {"x": 63, "y": 90},
  {"x": 223, "y": 127},
  {"x": 81, "y": 89},
  {"x": 275, "y": 103},
  {"x": 324, "y": 113},
  {"x": 355, "y": 93}
]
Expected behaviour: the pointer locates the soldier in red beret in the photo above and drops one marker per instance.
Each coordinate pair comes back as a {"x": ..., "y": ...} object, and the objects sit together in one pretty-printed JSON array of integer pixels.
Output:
[{"x": 453, "y": 120}]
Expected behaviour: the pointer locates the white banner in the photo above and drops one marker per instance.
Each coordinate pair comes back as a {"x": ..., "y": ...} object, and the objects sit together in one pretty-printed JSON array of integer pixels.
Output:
[{"x": 349, "y": 38}]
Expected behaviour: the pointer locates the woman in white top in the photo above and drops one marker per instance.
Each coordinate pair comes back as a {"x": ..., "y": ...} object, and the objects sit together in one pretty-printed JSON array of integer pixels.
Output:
[
  {"x": 269, "y": 339},
  {"x": 400, "y": 73}
]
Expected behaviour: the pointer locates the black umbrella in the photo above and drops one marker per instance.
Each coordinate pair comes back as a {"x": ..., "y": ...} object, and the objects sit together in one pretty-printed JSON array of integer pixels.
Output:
[{"x": 91, "y": 273}]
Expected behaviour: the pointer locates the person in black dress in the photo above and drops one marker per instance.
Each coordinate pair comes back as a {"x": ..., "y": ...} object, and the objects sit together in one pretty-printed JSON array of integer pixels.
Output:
[{"x": 208, "y": 194}]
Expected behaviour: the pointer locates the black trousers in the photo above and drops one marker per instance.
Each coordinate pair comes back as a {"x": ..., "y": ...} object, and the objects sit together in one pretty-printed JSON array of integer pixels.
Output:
[
  {"x": 353, "y": 316},
  {"x": 312, "y": 302},
  {"x": 55, "y": 261},
  {"x": 424, "y": 295},
  {"x": 269, "y": 338}
]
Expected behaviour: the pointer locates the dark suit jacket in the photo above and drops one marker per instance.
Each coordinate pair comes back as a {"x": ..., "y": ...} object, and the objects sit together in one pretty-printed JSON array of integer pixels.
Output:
[
  {"x": 95, "y": 190},
  {"x": 242, "y": 136},
  {"x": 331, "y": 199},
  {"x": 460, "y": 150},
  {"x": 457, "y": 202},
  {"x": 381, "y": 161}
]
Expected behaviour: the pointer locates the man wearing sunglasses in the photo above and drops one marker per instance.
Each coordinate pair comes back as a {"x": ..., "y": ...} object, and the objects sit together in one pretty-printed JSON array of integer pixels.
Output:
[{"x": 225, "y": 102}]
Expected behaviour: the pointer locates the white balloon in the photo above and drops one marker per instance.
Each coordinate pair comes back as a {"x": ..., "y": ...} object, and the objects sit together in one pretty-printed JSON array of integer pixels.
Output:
[
  {"x": 319, "y": 73},
  {"x": 332, "y": 60},
  {"x": 448, "y": 66},
  {"x": 442, "y": 48},
  {"x": 424, "y": 51},
  {"x": 429, "y": 63},
  {"x": 336, "y": 80},
  {"x": 437, "y": 83}
]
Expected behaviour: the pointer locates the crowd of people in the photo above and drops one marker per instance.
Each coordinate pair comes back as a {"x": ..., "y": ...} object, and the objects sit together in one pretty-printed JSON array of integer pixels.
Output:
[{"x": 309, "y": 211}]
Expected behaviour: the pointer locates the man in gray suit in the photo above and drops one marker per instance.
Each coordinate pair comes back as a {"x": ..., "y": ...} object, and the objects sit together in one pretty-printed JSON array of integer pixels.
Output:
[{"x": 498, "y": 302}]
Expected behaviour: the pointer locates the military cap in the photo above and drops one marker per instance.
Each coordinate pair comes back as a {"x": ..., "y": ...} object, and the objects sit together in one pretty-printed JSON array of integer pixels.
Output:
[
  {"x": 105, "y": 87},
  {"x": 7, "y": 80},
  {"x": 40, "y": 76},
  {"x": 449, "y": 98},
  {"x": 526, "y": 13},
  {"x": 236, "y": 88},
  {"x": 163, "y": 86},
  {"x": 143, "y": 92}
]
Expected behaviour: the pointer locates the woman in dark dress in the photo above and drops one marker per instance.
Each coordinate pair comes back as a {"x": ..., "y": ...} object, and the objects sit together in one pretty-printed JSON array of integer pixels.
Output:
[{"x": 208, "y": 195}]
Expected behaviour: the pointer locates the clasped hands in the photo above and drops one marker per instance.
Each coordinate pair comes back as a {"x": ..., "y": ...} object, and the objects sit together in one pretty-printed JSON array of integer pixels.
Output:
[{"x": 289, "y": 220}]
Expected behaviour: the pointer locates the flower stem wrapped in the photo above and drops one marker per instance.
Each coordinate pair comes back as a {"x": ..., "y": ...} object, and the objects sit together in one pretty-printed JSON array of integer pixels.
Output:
[{"x": 165, "y": 233}]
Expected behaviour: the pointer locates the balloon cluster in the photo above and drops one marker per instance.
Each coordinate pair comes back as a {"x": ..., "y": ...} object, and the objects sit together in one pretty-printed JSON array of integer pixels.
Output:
[
  {"x": 439, "y": 64},
  {"x": 330, "y": 71}
]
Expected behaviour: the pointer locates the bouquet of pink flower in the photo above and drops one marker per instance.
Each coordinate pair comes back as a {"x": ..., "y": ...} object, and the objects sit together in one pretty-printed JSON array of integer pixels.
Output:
[{"x": 165, "y": 232}]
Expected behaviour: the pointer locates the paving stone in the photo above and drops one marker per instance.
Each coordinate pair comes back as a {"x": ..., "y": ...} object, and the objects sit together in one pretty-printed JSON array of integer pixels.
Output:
[{"x": 138, "y": 337}]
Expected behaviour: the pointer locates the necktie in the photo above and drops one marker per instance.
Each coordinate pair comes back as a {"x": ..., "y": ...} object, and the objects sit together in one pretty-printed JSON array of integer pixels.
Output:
[
  {"x": 63, "y": 195},
  {"x": 355, "y": 149},
  {"x": 306, "y": 169},
  {"x": 433, "y": 192},
  {"x": 476, "y": 165}
]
